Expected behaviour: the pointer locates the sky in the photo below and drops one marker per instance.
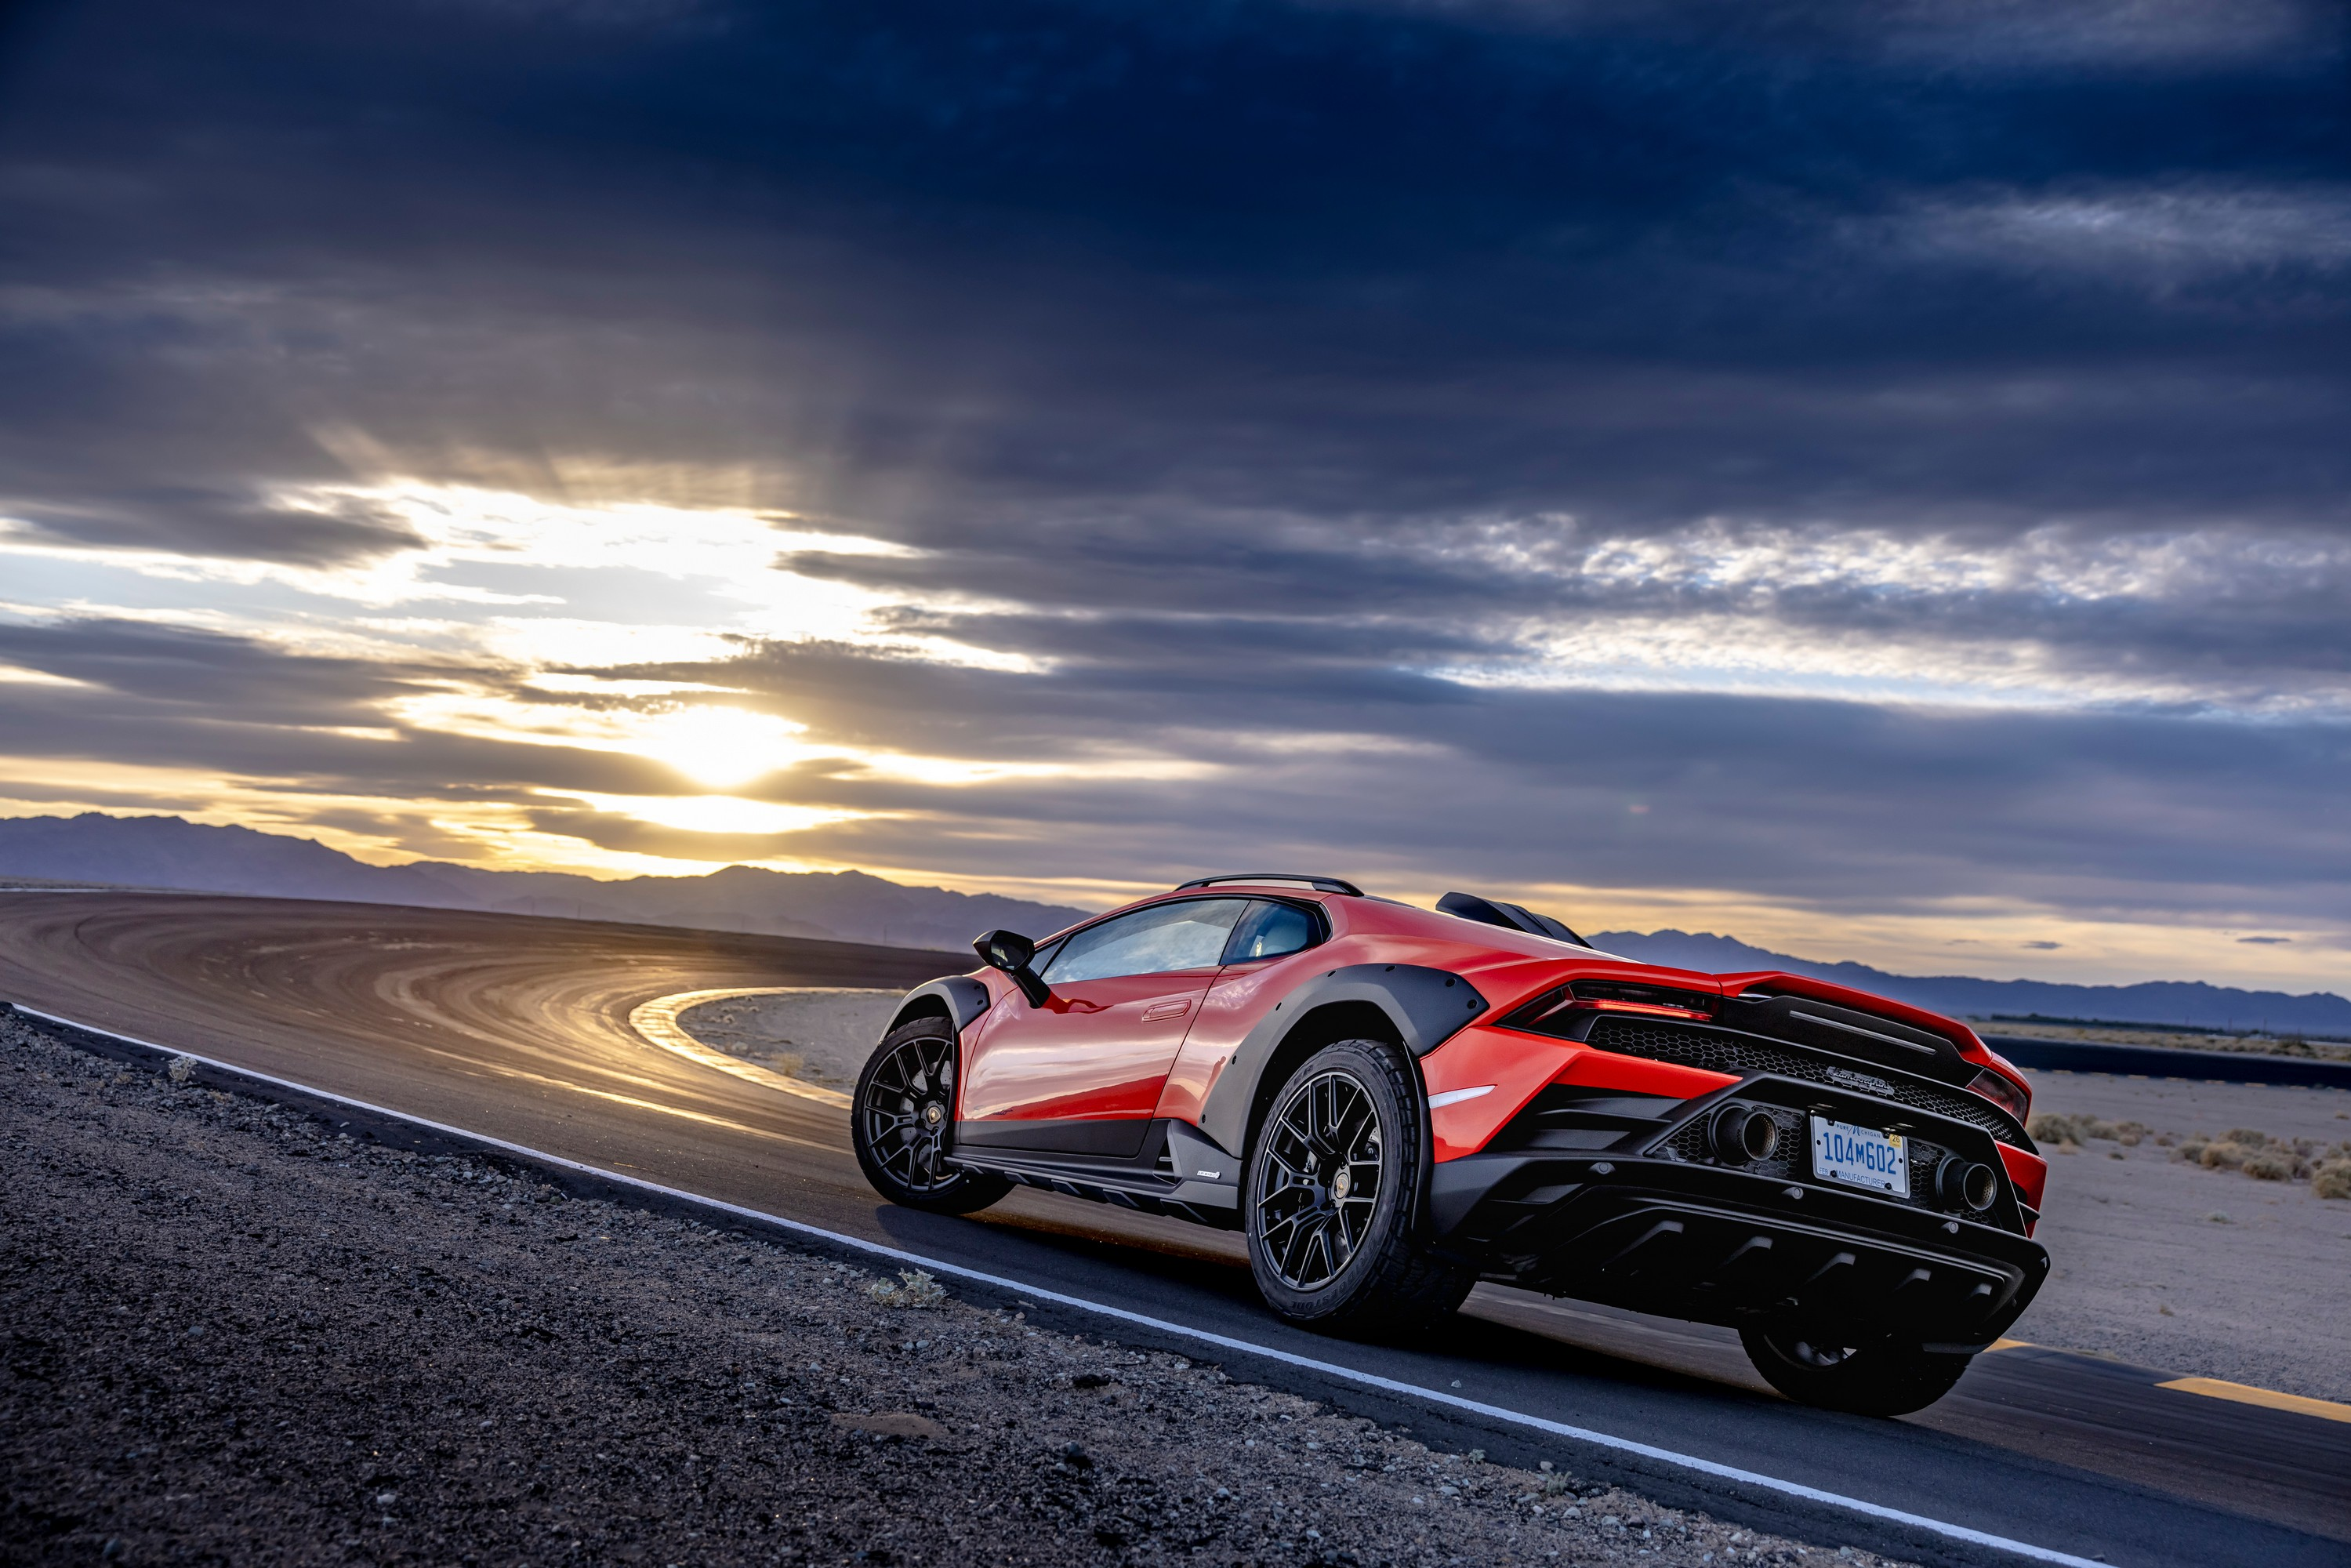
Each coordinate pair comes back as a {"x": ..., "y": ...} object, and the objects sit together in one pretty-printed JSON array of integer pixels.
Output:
[{"x": 1869, "y": 478}]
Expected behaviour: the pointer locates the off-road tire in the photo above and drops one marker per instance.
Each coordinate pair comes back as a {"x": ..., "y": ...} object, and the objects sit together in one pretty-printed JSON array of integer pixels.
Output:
[
  {"x": 898, "y": 1149},
  {"x": 1390, "y": 1281},
  {"x": 1883, "y": 1377}
]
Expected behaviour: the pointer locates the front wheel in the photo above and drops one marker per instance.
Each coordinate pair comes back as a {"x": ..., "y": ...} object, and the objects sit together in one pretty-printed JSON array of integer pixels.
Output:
[
  {"x": 1331, "y": 1198},
  {"x": 1884, "y": 1377},
  {"x": 900, "y": 1119}
]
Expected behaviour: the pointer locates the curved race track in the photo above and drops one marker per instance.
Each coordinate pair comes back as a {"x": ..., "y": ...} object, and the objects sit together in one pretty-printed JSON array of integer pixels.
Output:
[{"x": 518, "y": 1028}]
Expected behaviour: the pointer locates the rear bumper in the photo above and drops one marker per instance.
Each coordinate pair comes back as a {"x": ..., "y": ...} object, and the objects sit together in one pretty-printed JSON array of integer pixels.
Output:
[{"x": 1634, "y": 1226}]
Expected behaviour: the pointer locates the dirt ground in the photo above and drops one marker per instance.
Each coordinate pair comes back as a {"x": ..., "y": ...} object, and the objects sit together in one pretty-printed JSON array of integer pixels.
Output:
[
  {"x": 2171, "y": 1265},
  {"x": 823, "y": 1036},
  {"x": 234, "y": 1335}
]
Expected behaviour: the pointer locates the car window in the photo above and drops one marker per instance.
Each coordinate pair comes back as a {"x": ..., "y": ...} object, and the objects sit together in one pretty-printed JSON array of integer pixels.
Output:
[
  {"x": 1268, "y": 930},
  {"x": 1189, "y": 934}
]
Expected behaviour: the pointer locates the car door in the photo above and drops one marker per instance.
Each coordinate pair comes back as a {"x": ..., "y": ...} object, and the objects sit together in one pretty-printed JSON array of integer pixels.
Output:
[
  {"x": 1082, "y": 1071},
  {"x": 1263, "y": 962}
]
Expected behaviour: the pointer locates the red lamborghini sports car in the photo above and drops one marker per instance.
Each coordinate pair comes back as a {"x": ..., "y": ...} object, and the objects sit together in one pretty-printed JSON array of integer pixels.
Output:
[{"x": 1391, "y": 1104}]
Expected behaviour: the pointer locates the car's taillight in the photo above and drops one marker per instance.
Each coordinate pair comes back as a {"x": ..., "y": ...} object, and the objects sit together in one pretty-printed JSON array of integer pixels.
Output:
[
  {"x": 1625, "y": 997},
  {"x": 2009, "y": 1097},
  {"x": 1654, "y": 1010}
]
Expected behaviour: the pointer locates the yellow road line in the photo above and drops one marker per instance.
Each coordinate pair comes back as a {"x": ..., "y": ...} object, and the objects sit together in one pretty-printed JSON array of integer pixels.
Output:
[
  {"x": 2213, "y": 1388},
  {"x": 2012, "y": 1344}
]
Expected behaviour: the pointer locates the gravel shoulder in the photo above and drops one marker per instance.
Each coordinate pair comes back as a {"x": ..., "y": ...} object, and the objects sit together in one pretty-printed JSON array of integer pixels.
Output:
[{"x": 234, "y": 1334}]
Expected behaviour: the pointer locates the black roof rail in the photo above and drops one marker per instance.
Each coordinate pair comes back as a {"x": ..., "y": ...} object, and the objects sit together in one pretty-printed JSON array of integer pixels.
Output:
[
  {"x": 1320, "y": 884},
  {"x": 1509, "y": 916}
]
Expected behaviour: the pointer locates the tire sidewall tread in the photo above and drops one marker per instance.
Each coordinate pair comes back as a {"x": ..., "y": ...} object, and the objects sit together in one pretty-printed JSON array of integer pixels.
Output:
[
  {"x": 969, "y": 1192},
  {"x": 1883, "y": 1378},
  {"x": 1394, "y": 1282}
]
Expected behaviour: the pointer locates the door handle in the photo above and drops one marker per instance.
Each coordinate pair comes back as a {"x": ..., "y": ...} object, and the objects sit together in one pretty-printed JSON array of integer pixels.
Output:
[{"x": 1174, "y": 1009}]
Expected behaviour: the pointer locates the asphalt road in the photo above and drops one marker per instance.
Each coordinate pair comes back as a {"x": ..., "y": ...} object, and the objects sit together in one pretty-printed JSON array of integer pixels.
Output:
[{"x": 517, "y": 1029}]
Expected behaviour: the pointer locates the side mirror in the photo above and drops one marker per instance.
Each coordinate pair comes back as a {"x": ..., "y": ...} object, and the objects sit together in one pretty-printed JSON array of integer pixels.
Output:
[
  {"x": 1011, "y": 952},
  {"x": 1006, "y": 950}
]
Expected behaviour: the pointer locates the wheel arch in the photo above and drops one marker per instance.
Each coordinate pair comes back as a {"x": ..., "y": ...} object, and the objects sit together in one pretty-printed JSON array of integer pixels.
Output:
[
  {"x": 1323, "y": 1026},
  {"x": 1410, "y": 1006},
  {"x": 958, "y": 998}
]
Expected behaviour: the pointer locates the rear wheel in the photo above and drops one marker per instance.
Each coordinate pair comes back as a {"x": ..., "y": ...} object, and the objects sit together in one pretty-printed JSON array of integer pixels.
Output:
[
  {"x": 1882, "y": 1378},
  {"x": 902, "y": 1115},
  {"x": 1332, "y": 1193}
]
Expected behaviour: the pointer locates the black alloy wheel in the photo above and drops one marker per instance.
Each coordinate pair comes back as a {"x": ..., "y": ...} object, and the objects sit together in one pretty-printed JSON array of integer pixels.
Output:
[
  {"x": 1874, "y": 1378},
  {"x": 1319, "y": 1184},
  {"x": 1333, "y": 1187},
  {"x": 903, "y": 1118}
]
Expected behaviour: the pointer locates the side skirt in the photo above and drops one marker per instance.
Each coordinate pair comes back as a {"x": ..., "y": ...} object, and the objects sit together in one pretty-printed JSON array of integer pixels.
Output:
[{"x": 1152, "y": 1181}]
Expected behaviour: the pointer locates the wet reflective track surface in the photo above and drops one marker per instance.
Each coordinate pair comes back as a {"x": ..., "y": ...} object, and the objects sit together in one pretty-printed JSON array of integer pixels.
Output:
[{"x": 518, "y": 1028}]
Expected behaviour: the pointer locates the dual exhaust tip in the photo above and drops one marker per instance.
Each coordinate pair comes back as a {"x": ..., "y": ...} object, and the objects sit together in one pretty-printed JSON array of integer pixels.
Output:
[
  {"x": 1743, "y": 1135},
  {"x": 1971, "y": 1186}
]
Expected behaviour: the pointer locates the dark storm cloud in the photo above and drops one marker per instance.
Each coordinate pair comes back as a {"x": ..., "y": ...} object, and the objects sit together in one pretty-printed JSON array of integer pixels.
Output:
[
  {"x": 178, "y": 667},
  {"x": 1047, "y": 256},
  {"x": 1841, "y": 805},
  {"x": 174, "y": 697},
  {"x": 1250, "y": 368}
]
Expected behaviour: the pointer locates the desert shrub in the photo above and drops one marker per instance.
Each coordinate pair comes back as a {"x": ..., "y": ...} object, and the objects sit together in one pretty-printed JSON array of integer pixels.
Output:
[
  {"x": 2226, "y": 1155},
  {"x": 2052, "y": 1128},
  {"x": 2332, "y": 1179},
  {"x": 2247, "y": 1137},
  {"x": 2191, "y": 1150},
  {"x": 2269, "y": 1164},
  {"x": 2048, "y": 1128}
]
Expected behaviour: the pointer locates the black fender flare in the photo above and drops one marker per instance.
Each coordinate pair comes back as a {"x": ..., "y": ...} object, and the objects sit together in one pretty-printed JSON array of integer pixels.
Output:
[
  {"x": 1426, "y": 1007},
  {"x": 962, "y": 998}
]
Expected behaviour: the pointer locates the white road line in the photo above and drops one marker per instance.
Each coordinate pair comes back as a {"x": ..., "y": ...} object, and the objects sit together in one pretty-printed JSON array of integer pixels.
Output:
[{"x": 1949, "y": 1531}]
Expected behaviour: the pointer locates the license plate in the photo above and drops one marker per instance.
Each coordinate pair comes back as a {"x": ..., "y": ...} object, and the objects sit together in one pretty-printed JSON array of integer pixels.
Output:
[{"x": 1862, "y": 1156}]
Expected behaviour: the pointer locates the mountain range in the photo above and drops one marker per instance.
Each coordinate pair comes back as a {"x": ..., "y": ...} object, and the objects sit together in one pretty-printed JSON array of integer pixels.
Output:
[
  {"x": 170, "y": 853},
  {"x": 850, "y": 905}
]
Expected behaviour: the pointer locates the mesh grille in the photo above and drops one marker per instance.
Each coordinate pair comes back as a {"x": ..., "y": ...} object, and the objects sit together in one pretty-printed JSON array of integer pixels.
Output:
[
  {"x": 1690, "y": 1144},
  {"x": 1739, "y": 1056}
]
